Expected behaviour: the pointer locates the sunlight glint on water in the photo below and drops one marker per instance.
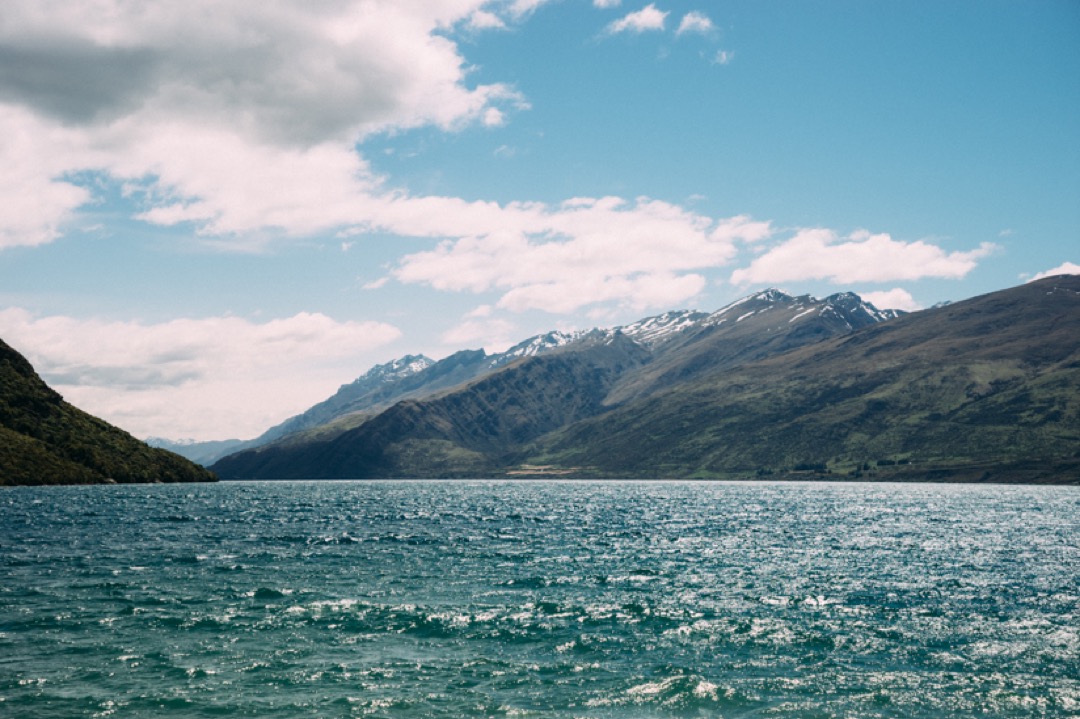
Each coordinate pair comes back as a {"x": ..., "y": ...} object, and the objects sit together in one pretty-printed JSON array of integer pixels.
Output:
[{"x": 546, "y": 599}]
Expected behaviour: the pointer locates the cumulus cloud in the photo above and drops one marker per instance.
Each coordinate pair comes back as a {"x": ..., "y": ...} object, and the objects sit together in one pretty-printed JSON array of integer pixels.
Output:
[
  {"x": 648, "y": 18},
  {"x": 694, "y": 22},
  {"x": 215, "y": 105},
  {"x": 38, "y": 197},
  {"x": 582, "y": 252},
  {"x": 168, "y": 379},
  {"x": 895, "y": 299},
  {"x": 1066, "y": 268},
  {"x": 227, "y": 185},
  {"x": 299, "y": 73},
  {"x": 820, "y": 254}
]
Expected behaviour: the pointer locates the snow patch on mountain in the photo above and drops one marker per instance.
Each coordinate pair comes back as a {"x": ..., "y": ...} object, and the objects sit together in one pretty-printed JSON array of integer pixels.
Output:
[
  {"x": 395, "y": 370},
  {"x": 850, "y": 304},
  {"x": 652, "y": 331},
  {"x": 537, "y": 345},
  {"x": 766, "y": 298}
]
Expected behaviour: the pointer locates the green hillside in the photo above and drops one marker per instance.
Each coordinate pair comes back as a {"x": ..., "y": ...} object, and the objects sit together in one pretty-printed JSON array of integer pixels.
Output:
[{"x": 45, "y": 440}]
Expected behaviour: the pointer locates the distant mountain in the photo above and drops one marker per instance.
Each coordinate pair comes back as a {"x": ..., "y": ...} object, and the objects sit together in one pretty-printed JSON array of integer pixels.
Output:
[
  {"x": 758, "y": 326},
  {"x": 986, "y": 389},
  {"x": 411, "y": 376},
  {"x": 472, "y": 430},
  {"x": 200, "y": 452},
  {"x": 654, "y": 331},
  {"x": 379, "y": 386},
  {"x": 45, "y": 440},
  {"x": 488, "y": 423},
  {"x": 533, "y": 347}
]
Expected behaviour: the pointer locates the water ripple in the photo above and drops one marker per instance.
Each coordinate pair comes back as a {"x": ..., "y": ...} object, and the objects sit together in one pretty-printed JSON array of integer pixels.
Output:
[{"x": 548, "y": 599}]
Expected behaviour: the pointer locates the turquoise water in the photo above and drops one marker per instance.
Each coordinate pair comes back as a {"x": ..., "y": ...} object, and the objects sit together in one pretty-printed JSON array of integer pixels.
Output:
[{"x": 539, "y": 599}]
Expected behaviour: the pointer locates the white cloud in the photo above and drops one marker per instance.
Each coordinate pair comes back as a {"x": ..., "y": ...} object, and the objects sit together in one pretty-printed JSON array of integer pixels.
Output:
[
  {"x": 582, "y": 252},
  {"x": 239, "y": 117},
  {"x": 230, "y": 186},
  {"x": 723, "y": 57},
  {"x": 494, "y": 117},
  {"x": 695, "y": 22},
  {"x": 483, "y": 20},
  {"x": 521, "y": 8},
  {"x": 648, "y": 18},
  {"x": 203, "y": 378},
  {"x": 38, "y": 201},
  {"x": 820, "y": 254},
  {"x": 300, "y": 73},
  {"x": 376, "y": 284},
  {"x": 640, "y": 291},
  {"x": 481, "y": 311},
  {"x": 894, "y": 299},
  {"x": 605, "y": 4},
  {"x": 481, "y": 328},
  {"x": 1065, "y": 268}
]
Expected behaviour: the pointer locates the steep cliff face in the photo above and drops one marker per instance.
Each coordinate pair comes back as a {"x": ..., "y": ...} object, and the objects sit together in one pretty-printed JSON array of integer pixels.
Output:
[{"x": 45, "y": 440}]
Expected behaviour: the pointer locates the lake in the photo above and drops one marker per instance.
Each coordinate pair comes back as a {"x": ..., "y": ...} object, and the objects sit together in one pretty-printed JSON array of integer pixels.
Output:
[{"x": 540, "y": 599}]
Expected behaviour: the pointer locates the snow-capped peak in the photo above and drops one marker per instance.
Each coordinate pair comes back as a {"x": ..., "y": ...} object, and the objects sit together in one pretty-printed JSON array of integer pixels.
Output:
[
  {"x": 771, "y": 295},
  {"x": 850, "y": 303},
  {"x": 749, "y": 305},
  {"x": 536, "y": 345},
  {"x": 395, "y": 369}
]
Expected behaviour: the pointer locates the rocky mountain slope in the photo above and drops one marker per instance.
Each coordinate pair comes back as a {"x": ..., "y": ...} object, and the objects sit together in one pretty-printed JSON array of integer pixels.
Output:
[
  {"x": 985, "y": 389},
  {"x": 377, "y": 389},
  {"x": 45, "y": 440},
  {"x": 472, "y": 430},
  {"x": 487, "y": 424}
]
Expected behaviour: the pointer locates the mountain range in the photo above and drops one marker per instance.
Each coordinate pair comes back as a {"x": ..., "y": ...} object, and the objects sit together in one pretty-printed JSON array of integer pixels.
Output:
[
  {"x": 45, "y": 440},
  {"x": 769, "y": 386}
]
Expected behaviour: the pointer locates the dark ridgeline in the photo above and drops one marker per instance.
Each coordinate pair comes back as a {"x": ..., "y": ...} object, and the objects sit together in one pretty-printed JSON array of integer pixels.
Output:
[
  {"x": 45, "y": 440},
  {"x": 771, "y": 386}
]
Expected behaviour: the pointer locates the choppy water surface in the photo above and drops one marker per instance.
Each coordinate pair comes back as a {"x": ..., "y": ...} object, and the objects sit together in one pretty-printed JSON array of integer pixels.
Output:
[{"x": 546, "y": 599}]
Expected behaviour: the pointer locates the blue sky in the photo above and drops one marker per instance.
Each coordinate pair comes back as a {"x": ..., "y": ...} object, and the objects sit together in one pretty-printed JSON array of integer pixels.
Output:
[{"x": 215, "y": 214}]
